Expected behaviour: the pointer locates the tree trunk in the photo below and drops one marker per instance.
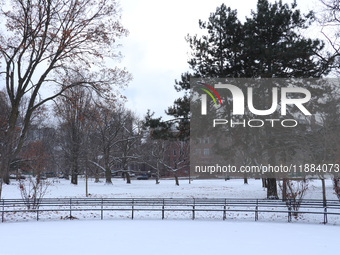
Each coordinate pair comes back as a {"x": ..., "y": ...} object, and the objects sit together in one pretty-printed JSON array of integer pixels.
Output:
[
  {"x": 86, "y": 180},
  {"x": 176, "y": 179},
  {"x": 5, "y": 176},
  {"x": 336, "y": 187},
  {"x": 245, "y": 180},
  {"x": 157, "y": 174},
  {"x": 74, "y": 173},
  {"x": 284, "y": 189},
  {"x": 66, "y": 174},
  {"x": 108, "y": 176},
  {"x": 128, "y": 178},
  {"x": 96, "y": 176},
  {"x": 75, "y": 166},
  {"x": 0, "y": 188},
  {"x": 272, "y": 188},
  {"x": 5, "y": 166},
  {"x": 323, "y": 192},
  {"x": 11, "y": 141},
  {"x": 74, "y": 178},
  {"x": 86, "y": 185},
  {"x": 107, "y": 166}
]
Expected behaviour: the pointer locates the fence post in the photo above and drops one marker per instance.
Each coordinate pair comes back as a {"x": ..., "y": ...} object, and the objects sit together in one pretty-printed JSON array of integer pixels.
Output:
[
  {"x": 290, "y": 211},
  {"x": 224, "y": 209},
  {"x": 257, "y": 210},
  {"x": 132, "y": 209},
  {"x": 163, "y": 210},
  {"x": 70, "y": 208},
  {"x": 3, "y": 210},
  {"x": 193, "y": 210},
  {"x": 101, "y": 213},
  {"x": 325, "y": 220},
  {"x": 37, "y": 214}
]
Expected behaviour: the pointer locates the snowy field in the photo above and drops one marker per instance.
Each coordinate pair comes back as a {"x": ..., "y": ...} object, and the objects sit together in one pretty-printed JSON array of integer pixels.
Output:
[
  {"x": 177, "y": 234},
  {"x": 151, "y": 237},
  {"x": 166, "y": 189}
]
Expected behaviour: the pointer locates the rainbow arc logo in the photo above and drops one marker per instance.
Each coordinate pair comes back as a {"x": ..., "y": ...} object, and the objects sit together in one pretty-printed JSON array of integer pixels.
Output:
[{"x": 209, "y": 93}]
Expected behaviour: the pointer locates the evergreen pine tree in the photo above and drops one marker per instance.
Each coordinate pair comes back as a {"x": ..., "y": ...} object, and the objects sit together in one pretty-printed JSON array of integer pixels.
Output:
[{"x": 267, "y": 45}]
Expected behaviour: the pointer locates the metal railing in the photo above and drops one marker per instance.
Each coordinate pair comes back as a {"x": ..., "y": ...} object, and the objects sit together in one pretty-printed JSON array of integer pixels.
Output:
[{"x": 218, "y": 206}]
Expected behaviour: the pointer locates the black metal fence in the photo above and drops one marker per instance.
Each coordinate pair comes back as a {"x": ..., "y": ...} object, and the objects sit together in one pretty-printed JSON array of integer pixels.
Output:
[{"x": 219, "y": 206}]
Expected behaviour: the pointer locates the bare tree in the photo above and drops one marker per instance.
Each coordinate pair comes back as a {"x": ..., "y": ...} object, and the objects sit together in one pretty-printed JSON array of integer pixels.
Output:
[
  {"x": 336, "y": 186},
  {"x": 36, "y": 159},
  {"x": 116, "y": 138},
  {"x": 330, "y": 21},
  {"x": 46, "y": 42},
  {"x": 296, "y": 190},
  {"x": 152, "y": 152},
  {"x": 33, "y": 190},
  {"x": 129, "y": 139},
  {"x": 173, "y": 156},
  {"x": 109, "y": 123},
  {"x": 73, "y": 111}
]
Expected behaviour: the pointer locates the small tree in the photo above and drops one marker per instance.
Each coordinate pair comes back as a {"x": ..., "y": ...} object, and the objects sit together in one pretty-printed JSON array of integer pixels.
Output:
[
  {"x": 336, "y": 186},
  {"x": 33, "y": 190},
  {"x": 36, "y": 160},
  {"x": 295, "y": 192}
]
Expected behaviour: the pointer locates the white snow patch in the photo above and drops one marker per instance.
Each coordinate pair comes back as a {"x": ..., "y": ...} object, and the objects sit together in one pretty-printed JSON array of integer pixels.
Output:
[
  {"x": 147, "y": 188},
  {"x": 166, "y": 237}
]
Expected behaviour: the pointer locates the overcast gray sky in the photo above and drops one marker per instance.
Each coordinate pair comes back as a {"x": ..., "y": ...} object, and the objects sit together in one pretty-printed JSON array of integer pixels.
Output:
[{"x": 156, "y": 53}]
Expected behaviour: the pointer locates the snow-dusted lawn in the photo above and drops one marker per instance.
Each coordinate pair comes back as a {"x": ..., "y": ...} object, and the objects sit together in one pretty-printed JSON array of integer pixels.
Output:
[
  {"x": 148, "y": 234},
  {"x": 167, "y": 189},
  {"x": 166, "y": 237}
]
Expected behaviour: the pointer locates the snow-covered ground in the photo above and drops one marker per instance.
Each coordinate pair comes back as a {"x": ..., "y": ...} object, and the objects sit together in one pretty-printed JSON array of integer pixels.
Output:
[
  {"x": 166, "y": 237},
  {"x": 208, "y": 234},
  {"x": 147, "y": 188},
  {"x": 167, "y": 189}
]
